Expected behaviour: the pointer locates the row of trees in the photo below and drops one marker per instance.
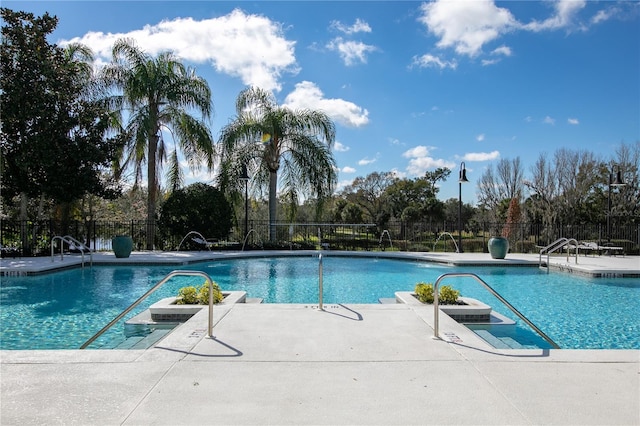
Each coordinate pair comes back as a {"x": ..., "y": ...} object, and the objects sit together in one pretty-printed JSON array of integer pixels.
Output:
[
  {"x": 571, "y": 187},
  {"x": 53, "y": 147},
  {"x": 71, "y": 133}
]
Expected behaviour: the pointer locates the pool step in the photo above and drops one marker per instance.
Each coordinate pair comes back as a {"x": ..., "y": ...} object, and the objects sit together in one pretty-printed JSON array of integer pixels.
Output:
[
  {"x": 498, "y": 342},
  {"x": 144, "y": 342}
]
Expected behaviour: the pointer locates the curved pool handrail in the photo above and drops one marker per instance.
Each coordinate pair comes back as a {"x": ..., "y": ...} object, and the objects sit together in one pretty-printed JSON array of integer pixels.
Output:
[
  {"x": 71, "y": 241},
  {"x": 493, "y": 292},
  {"x": 148, "y": 293},
  {"x": 558, "y": 244}
]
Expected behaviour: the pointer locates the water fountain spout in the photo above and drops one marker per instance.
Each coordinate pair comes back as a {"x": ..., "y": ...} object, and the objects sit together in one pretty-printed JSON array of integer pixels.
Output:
[
  {"x": 444, "y": 234},
  {"x": 198, "y": 238},
  {"x": 388, "y": 236},
  {"x": 247, "y": 237}
]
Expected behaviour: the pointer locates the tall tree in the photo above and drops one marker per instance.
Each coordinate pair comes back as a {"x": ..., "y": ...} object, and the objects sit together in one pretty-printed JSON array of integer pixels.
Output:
[
  {"x": 505, "y": 183},
  {"x": 269, "y": 139},
  {"x": 412, "y": 200},
  {"x": 53, "y": 132},
  {"x": 577, "y": 174},
  {"x": 369, "y": 193},
  {"x": 159, "y": 93}
]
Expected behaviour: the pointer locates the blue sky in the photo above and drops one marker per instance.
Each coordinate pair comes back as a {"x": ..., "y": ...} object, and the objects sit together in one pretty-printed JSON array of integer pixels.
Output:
[{"x": 410, "y": 85}]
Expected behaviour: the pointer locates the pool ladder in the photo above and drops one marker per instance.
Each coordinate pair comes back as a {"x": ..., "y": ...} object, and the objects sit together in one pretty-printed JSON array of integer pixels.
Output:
[
  {"x": 493, "y": 292},
  {"x": 71, "y": 241},
  {"x": 557, "y": 245},
  {"x": 149, "y": 292}
]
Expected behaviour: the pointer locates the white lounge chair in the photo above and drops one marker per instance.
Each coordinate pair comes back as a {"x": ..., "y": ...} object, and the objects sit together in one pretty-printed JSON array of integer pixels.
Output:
[{"x": 206, "y": 243}]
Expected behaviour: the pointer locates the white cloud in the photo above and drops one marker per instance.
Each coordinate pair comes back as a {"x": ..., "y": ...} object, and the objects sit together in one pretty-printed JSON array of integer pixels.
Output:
[
  {"x": 351, "y": 52},
  {"x": 343, "y": 184},
  {"x": 466, "y": 26},
  {"x": 418, "y": 151},
  {"x": 487, "y": 62},
  {"x": 565, "y": 10},
  {"x": 480, "y": 137},
  {"x": 340, "y": 147},
  {"x": 250, "y": 47},
  {"x": 613, "y": 11},
  {"x": 366, "y": 161},
  {"x": 549, "y": 120},
  {"x": 420, "y": 161},
  {"x": 348, "y": 169},
  {"x": 481, "y": 156},
  {"x": 502, "y": 50},
  {"x": 431, "y": 61},
  {"x": 573, "y": 121},
  {"x": 398, "y": 174},
  {"x": 358, "y": 26},
  {"x": 307, "y": 95}
]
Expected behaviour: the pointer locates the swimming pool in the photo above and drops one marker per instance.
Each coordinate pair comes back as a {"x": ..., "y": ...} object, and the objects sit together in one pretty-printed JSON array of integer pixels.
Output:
[{"x": 62, "y": 310}]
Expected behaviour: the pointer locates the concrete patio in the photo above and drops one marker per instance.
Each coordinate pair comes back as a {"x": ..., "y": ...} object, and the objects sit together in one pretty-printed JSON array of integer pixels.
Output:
[{"x": 347, "y": 364}]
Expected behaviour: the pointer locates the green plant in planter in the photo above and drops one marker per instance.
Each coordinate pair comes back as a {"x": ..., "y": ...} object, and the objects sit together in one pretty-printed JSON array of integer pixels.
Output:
[
  {"x": 204, "y": 293},
  {"x": 199, "y": 296},
  {"x": 424, "y": 292},
  {"x": 187, "y": 296},
  {"x": 446, "y": 295}
]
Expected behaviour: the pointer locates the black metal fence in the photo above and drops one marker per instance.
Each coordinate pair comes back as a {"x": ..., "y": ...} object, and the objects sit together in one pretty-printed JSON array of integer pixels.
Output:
[{"x": 26, "y": 238}]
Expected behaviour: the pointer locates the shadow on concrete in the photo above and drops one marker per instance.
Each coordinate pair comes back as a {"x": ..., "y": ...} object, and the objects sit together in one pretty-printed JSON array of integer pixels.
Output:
[{"x": 234, "y": 352}]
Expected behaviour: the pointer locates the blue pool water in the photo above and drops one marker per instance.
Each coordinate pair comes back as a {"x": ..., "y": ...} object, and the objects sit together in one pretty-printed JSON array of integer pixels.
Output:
[{"x": 63, "y": 309}]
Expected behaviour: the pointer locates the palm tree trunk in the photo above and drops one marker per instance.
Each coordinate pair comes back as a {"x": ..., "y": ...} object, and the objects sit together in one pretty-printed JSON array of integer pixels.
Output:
[
  {"x": 273, "y": 181},
  {"x": 153, "y": 190}
]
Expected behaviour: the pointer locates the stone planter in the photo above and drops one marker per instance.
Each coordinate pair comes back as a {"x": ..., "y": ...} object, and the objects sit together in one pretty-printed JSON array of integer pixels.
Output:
[
  {"x": 498, "y": 247},
  {"x": 470, "y": 310},
  {"x": 168, "y": 310},
  {"x": 122, "y": 245}
]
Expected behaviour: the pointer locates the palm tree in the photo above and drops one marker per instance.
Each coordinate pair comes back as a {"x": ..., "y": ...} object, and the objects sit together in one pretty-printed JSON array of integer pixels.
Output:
[
  {"x": 159, "y": 93},
  {"x": 269, "y": 138}
]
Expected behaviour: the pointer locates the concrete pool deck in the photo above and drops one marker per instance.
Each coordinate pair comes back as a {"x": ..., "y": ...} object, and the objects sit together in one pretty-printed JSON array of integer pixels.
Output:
[{"x": 347, "y": 364}]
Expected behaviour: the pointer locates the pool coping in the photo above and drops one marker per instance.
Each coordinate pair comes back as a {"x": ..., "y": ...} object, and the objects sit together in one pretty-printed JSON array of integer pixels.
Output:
[{"x": 596, "y": 267}]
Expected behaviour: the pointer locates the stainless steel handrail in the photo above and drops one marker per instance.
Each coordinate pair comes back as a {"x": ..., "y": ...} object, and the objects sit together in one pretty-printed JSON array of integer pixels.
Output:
[
  {"x": 320, "y": 286},
  {"x": 149, "y": 292},
  {"x": 559, "y": 243},
  {"x": 70, "y": 240},
  {"x": 492, "y": 291}
]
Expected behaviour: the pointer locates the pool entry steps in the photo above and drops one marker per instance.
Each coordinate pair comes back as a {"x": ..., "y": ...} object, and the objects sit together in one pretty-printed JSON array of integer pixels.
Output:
[
  {"x": 151, "y": 291},
  {"x": 436, "y": 310}
]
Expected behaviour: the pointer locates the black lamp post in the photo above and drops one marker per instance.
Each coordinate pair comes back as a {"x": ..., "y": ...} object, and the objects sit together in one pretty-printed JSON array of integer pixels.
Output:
[
  {"x": 244, "y": 176},
  {"x": 462, "y": 179},
  {"x": 617, "y": 182}
]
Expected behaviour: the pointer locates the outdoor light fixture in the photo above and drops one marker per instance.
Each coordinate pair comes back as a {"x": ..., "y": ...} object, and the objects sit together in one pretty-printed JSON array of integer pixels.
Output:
[
  {"x": 617, "y": 182},
  {"x": 244, "y": 176},
  {"x": 462, "y": 179}
]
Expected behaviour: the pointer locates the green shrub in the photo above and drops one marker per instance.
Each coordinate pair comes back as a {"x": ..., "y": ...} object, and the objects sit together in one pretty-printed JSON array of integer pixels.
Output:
[
  {"x": 446, "y": 295},
  {"x": 187, "y": 296},
  {"x": 424, "y": 292},
  {"x": 199, "y": 296},
  {"x": 203, "y": 294}
]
